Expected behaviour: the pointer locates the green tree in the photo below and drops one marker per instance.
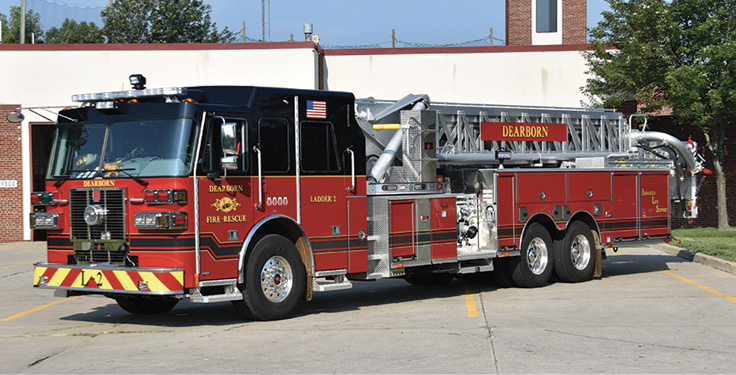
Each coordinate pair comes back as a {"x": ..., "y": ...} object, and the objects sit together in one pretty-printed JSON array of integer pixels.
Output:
[
  {"x": 679, "y": 54},
  {"x": 161, "y": 21},
  {"x": 11, "y": 26},
  {"x": 72, "y": 32}
]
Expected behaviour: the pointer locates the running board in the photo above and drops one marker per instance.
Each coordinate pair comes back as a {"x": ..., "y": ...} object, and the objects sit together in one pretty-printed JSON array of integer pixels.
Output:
[
  {"x": 336, "y": 281},
  {"x": 232, "y": 293}
]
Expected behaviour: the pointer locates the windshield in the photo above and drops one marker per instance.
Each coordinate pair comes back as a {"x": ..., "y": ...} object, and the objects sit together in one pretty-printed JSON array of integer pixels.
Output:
[{"x": 144, "y": 148}]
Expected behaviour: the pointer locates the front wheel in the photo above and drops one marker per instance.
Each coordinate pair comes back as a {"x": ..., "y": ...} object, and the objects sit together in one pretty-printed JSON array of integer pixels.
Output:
[
  {"x": 274, "y": 280},
  {"x": 574, "y": 254},
  {"x": 535, "y": 265}
]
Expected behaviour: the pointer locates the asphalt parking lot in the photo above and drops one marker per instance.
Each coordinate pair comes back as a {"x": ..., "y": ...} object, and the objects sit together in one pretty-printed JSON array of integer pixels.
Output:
[{"x": 650, "y": 313}]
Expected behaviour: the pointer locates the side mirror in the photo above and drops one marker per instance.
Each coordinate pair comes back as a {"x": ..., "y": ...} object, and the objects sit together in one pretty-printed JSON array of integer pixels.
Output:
[{"x": 229, "y": 141}]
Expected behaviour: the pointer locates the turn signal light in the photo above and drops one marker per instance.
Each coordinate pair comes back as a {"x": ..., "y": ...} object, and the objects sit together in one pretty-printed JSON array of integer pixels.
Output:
[
  {"x": 165, "y": 196},
  {"x": 43, "y": 198},
  {"x": 160, "y": 220}
]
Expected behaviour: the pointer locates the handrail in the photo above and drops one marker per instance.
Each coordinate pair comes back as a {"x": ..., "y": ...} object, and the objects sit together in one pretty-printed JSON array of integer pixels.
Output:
[{"x": 260, "y": 178}]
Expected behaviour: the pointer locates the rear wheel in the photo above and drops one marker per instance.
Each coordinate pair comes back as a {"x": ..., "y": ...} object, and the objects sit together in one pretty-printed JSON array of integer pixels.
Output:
[
  {"x": 274, "y": 280},
  {"x": 575, "y": 254},
  {"x": 142, "y": 305},
  {"x": 535, "y": 265}
]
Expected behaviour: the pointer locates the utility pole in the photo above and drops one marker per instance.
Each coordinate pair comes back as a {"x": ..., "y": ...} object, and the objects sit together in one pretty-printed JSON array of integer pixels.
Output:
[
  {"x": 22, "y": 21},
  {"x": 491, "y": 35},
  {"x": 243, "y": 31},
  {"x": 266, "y": 19},
  {"x": 393, "y": 38}
]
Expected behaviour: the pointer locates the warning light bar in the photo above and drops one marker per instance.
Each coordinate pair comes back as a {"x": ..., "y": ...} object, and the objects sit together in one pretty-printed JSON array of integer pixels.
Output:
[{"x": 128, "y": 94}]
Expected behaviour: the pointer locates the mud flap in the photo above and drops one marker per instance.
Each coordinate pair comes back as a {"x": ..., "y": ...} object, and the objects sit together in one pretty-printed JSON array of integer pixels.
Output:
[{"x": 598, "y": 270}]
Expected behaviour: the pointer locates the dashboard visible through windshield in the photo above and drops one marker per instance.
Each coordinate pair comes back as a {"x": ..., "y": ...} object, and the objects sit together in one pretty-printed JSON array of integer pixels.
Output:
[{"x": 143, "y": 148}]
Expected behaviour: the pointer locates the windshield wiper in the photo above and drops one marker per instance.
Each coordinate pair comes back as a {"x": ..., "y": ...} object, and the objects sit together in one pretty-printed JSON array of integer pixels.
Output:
[
  {"x": 125, "y": 171},
  {"x": 59, "y": 182}
]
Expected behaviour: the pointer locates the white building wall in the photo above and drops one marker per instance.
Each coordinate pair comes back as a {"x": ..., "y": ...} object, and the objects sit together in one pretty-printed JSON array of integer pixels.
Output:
[
  {"x": 45, "y": 75},
  {"x": 521, "y": 76},
  {"x": 48, "y": 77}
]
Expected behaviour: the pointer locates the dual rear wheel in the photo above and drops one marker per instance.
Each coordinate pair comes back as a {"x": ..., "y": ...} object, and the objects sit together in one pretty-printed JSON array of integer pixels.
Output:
[{"x": 571, "y": 257}]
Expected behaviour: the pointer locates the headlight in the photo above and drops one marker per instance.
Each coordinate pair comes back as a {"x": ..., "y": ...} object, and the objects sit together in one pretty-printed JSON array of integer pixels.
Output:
[{"x": 45, "y": 220}]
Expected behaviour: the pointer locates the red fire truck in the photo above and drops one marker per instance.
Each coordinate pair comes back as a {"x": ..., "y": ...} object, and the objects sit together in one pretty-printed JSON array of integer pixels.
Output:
[{"x": 262, "y": 196}]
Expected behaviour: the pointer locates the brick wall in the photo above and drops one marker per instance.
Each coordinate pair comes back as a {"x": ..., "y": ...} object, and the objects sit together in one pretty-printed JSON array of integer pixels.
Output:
[
  {"x": 574, "y": 21},
  {"x": 11, "y": 169},
  {"x": 707, "y": 202},
  {"x": 519, "y": 22}
]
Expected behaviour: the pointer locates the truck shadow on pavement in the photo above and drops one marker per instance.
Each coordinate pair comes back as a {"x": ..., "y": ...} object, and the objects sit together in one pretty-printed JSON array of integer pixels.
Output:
[
  {"x": 363, "y": 294},
  {"x": 622, "y": 263}
]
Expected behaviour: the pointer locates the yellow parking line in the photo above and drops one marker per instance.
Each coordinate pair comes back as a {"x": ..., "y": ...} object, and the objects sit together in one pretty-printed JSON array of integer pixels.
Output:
[
  {"x": 18, "y": 315},
  {"x": 701, "y": 286},
  {"x": 470, "y": 301},
  {"x": 20, "y": 264}
]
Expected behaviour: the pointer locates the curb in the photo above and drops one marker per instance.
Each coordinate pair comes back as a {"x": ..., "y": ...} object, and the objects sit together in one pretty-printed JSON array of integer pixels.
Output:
[{"x": 704, "y": 259}]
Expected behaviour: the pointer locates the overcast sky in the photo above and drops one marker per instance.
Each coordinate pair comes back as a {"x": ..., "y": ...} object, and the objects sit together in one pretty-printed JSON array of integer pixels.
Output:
[{"x": 337, "y": 22}]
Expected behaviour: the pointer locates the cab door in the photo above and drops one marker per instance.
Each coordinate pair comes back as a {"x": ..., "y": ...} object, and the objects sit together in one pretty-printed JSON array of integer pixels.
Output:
[
  {"x": 274, "y": 180},
  {"x": 323, "y": 194},
  {"x": 225, "y": 197}
]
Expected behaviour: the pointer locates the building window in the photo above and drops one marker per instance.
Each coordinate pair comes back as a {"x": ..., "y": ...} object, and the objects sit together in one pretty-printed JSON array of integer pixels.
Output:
[{"x": 546, "y": 16}]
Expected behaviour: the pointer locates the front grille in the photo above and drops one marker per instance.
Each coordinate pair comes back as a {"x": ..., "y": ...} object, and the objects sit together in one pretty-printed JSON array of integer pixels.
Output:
[
  {"x": 103, "y": 257},
  {"x": 112, "y": 227}
]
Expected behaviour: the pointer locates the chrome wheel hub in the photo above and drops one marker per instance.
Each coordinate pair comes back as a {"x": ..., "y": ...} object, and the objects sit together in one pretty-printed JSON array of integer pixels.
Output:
[
  {"x": 276, "y": 279},
  {"x": 537, "y": 256},
  {"x": 580, "y": 252}
]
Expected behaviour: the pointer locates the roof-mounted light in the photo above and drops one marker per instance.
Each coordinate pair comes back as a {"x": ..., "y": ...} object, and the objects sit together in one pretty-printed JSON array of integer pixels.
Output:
[
  {"x": 129, "y": 94},
  {"x": 138, "y": 81}
]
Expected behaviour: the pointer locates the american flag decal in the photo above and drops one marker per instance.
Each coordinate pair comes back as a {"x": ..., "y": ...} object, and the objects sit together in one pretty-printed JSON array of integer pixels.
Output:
[{"x": 316, "y": 109}]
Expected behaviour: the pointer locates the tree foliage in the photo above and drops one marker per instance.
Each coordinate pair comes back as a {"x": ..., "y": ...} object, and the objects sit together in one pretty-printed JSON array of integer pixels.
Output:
[
  {"x": 11, "y": 26},
  {"x": 161, "y": 21},
  {"x": 679, "y": 54},
  {"x": 72, "y": 32}
]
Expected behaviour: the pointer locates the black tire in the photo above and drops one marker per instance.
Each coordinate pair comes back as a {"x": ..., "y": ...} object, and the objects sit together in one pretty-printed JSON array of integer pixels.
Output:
[
  {"x": 536, "y": 264},
  {"x": 575, "y": 254},
  {"x": 427, "y": 278},
  {"x": 142, "y": 305},
  {"x": 502, "y": 273},
  {"x": 275, "y": 280}
]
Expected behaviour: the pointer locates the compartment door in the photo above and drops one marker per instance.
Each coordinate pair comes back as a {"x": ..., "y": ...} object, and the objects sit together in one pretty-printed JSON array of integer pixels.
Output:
[{"x": 402, "y": 229}]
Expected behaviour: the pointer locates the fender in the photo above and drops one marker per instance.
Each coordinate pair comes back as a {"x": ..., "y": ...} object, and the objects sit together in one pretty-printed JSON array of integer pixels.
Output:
[
  {"x": 534, "y": 219},
  {"x": 587, "y": 214},
  {"x": 242, "y": 255}
]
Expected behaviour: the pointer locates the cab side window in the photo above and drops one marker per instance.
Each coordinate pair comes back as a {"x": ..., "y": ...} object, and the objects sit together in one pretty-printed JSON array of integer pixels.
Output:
[
  {"x": 318, "y": 147},
  {"x": 273, "y": 138}
]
